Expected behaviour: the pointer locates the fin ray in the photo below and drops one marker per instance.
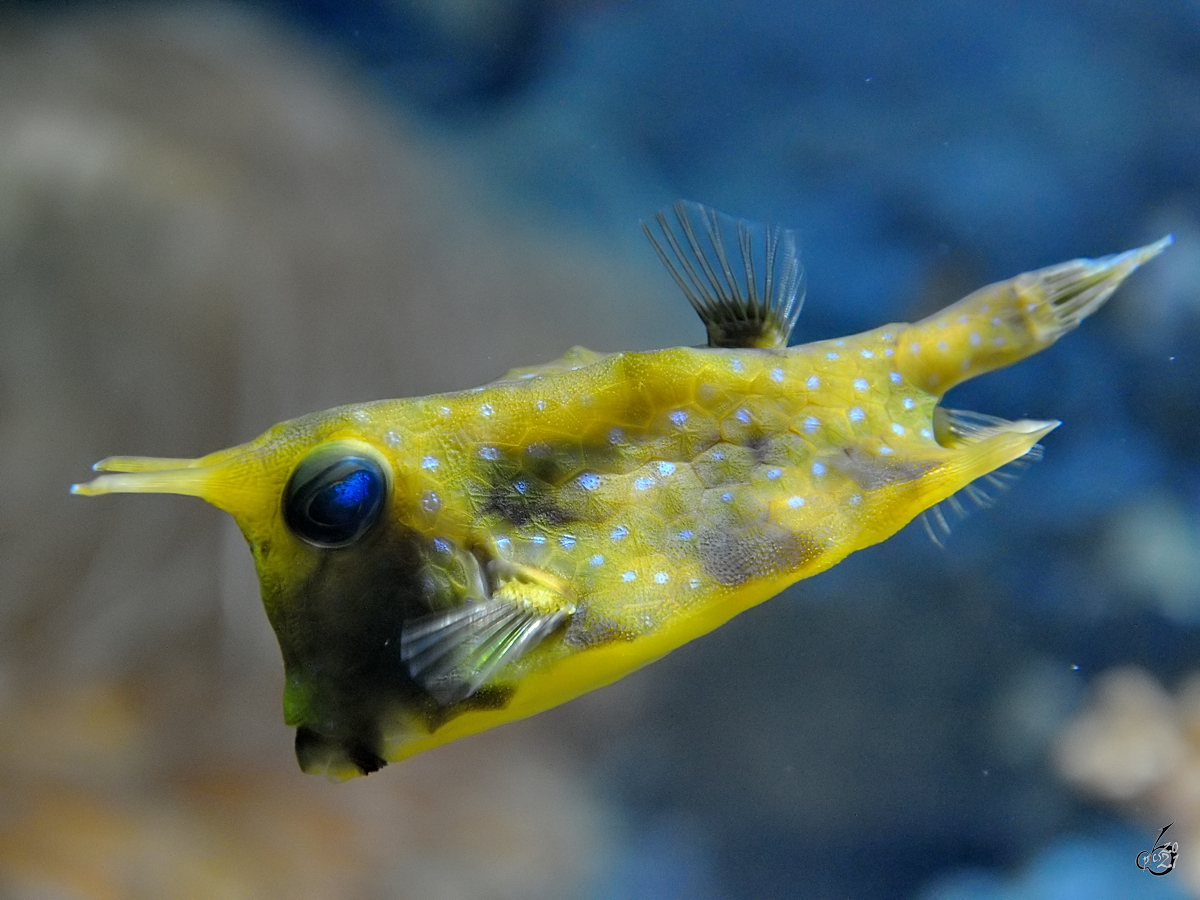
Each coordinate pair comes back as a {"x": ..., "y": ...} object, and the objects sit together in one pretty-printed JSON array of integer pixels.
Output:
[
  {"x": 754, "y": 307},
  {"x": 452, "y": 654}
]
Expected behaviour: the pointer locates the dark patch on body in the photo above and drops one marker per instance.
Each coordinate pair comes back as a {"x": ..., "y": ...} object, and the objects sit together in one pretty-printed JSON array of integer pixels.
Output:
[
  {"x": 736, "y": 553},
  {"x": 588, "y": 629},
  {"x": 872, "y": 472},
  {"x": 523, "y": 501},
  {"x": 760, "y": 446}
]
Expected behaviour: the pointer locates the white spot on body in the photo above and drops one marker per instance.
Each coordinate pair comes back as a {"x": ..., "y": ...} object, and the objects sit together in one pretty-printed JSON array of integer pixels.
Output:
[
  {"x": 885, "y": 450},
  {"x": 589, "y": 481},
  {"x": 975, "y": 339},
  {"x": 540, "y": 405},
  {"x": 777, "y": 374},
  {"x": 360, "y": 415},
  {"x": 943, "y": 346},
  {"x": 643, "y": 482},
  {"x": 392, "y": 439},
  {"x": 619, "y": 533},
  {"x": 774, "y": 473},
  {"x": 736, "y": 364},
  {"x": 909, "y": 403},
  {"x": 813, "y": 382},
  {"x": 679, "y": 417},
  {"x": 818, "y": 468},
  {"x": 661, "y": 577},
  {"x": 628, "y": 576},
  {"x": 895, "y": 378},
  {"x": 489, "y": 452},
  {"x": 666, "y": 468},
  {"x": 795, "y": 502},
  {"x": 429, "y": 462},
  {"x": 615, "y": 435},
  {"x": 926, "y": 433},
  {"x": 431, "y": 502},
  {"x": 868, "y": 354},
  {"x": 538, "y": 539},
  {"x": 860, "y": 384},
  {"x": 596, "y": 560},
  {"x": 831, "y": 355},
  {"x": 486, "y": 409},
  {"x": 898, "y": 428},
  {"x": 856, "y": 414},
  {"x": 743, "y": 416},
  {"x": 567, "y": 541}
]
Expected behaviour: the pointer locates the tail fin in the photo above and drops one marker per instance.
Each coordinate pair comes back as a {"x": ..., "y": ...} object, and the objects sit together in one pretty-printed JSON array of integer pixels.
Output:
[{"x": 1005, "y": 322}]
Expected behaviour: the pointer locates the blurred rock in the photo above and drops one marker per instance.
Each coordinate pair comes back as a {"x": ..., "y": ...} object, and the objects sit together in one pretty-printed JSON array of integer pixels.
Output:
[
  {"x": 205, "y": 229},
  {"x": 1138, "y": 747}
]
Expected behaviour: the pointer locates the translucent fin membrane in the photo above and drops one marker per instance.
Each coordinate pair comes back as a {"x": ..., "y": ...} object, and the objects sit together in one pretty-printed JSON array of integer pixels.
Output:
[
  {"x": 957, "y": 428},
  {"x": 1076, "y": 289},
  {"x": 453, "y": 654},
  {"x": 744, "y": 280}
]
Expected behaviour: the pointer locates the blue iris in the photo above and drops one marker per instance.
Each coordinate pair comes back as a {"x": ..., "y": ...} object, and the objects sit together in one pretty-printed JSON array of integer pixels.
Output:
[{"x": 332, "y": 499}]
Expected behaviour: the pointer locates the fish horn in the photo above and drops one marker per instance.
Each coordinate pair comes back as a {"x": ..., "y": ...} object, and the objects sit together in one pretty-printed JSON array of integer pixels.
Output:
[{"x": 147, "y": 475}]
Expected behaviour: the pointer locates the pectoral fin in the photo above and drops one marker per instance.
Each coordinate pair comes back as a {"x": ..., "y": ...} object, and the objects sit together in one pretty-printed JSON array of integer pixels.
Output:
[{"x": 452, "y": 654}]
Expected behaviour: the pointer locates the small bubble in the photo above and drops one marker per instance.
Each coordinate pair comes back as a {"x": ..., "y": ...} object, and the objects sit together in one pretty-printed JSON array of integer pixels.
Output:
[
  {"x": 431, "y": 502},
  {"x": 486, "y": 409}
]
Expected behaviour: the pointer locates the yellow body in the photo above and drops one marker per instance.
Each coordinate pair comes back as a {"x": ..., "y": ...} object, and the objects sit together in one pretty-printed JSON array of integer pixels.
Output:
[{"x": 628, "y": 502}]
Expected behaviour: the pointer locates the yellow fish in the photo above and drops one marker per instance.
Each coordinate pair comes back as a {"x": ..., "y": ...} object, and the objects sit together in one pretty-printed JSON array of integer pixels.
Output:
[{"x": 437, "y": 566}]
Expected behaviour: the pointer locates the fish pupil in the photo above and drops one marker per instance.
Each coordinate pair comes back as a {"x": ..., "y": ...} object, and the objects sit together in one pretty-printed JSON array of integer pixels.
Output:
[{"x": 334, "y": 502}]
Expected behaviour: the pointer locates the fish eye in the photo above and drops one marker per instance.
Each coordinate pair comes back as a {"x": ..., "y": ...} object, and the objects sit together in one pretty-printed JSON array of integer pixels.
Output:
[{"x": 336, "y": 494}]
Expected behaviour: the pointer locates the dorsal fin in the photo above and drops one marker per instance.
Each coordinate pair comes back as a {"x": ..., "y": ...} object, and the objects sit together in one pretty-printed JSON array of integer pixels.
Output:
[{"x": 751, "y": 299}]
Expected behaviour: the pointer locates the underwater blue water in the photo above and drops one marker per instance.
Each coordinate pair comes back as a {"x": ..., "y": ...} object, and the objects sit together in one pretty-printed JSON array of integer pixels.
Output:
[
  {"x": 920, "y": 150},
  {"x": 847, "y": 739}
]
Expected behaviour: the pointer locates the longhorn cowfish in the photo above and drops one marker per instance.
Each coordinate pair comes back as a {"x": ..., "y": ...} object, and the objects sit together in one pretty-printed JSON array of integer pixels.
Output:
[{"x": 434, "y": 567}]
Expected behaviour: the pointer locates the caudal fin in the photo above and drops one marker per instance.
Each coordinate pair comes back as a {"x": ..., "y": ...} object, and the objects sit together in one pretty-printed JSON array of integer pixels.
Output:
[{"x": 1005, "y": 322}]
